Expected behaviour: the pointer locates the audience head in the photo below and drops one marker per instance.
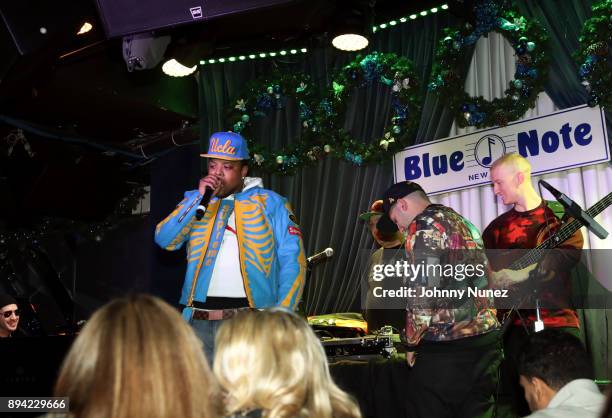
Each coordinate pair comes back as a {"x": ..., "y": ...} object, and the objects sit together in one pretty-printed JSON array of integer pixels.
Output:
[
  {"x": 137, "y": 357},
  {"x": 9, "y": 315},
  {"x": 551, "y": 359},
  {"x": 272, "y": 361}
]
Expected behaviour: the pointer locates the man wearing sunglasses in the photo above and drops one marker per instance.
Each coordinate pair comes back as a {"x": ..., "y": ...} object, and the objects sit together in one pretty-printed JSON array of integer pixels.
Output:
[{"x": 9, "y": 315}]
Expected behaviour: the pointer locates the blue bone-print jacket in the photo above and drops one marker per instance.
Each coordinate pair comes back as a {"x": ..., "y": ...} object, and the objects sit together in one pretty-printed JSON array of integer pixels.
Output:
[{"x": 271, "y": 251}]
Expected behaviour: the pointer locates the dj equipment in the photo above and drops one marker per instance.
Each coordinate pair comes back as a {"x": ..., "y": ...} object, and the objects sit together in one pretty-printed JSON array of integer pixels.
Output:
[
  {"x": 339, "y": 325},
  {"x": 354, "y": 347}
]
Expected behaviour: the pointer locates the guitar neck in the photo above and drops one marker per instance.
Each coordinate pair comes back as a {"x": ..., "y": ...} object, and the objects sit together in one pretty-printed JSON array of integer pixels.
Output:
[{"x": 566, "y": 231}]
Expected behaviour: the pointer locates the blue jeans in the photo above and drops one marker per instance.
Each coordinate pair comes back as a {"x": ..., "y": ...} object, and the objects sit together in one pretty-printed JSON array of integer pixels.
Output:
[{"x": 207, "y": 331}]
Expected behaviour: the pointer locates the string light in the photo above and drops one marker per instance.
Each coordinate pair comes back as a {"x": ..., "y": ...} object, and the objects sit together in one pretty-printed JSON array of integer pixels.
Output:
[
  {"x": 253, "y": 56},
  {"x": 422, "y": 13}
]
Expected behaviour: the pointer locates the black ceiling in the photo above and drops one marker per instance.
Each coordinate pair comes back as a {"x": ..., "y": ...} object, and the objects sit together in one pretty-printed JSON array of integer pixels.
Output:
[
  {"x": 74, "y": 96},
  {"x": 80, "y": 84}
]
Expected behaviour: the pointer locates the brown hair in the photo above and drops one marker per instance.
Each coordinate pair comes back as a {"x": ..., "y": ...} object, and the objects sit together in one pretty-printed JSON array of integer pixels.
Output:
[{"x": 137, "y": 357}]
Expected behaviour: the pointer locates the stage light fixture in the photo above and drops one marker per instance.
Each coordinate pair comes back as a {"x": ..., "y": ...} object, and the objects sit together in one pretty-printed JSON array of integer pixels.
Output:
[
  {"x": 143, "y": 51},
  {"x": 85, "y": 28},
  {"x": 352, "y": 25},
  {"x": 174, "y": 68},
  {"x": 350, "y": 42}
]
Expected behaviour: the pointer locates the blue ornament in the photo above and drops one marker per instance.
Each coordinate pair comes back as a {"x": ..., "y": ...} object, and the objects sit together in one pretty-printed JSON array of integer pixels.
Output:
[
  {"x": 245, "y": 118},
  {"x": 477, "y": 118},
  {"x": 521, "y": 70},
  {"x": 584, "y": 71},
  {"x": 264, "y": 101},
  {"x": 520, "y": 50},
  {"x": 238, "y": 126},
  {"x": 471, "y": 39},
  {"x": 486, "y": 16},
  {"x": 531, "y": 46},
  {"x": 358, "y": 160},
  {"x": 305, "y": 112},
  {"x": 517, "y": 83},
  {"x": 533, "y": 73},
  {"x": 326, "y": 107},
  {"x": 370, "y": 67},
  {"x": 277, "y": 89}
]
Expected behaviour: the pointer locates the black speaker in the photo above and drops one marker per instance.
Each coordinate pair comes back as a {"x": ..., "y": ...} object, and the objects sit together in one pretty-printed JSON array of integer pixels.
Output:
[{"x": 124, "y": 17}]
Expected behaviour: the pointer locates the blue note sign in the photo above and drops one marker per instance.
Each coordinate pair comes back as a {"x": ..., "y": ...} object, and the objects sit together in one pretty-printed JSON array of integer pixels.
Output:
[{"x": 559, "y": 141}]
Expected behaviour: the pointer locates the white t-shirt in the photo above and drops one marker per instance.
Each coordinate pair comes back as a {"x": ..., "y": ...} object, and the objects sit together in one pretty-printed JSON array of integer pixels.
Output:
[{"x": 226, "y": 280}]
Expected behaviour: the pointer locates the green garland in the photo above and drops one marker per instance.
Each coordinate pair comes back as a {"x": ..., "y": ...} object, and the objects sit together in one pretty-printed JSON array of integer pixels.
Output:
[
  {"x": 530, "y": 44},
  {"x": 270, "y": 94},
  {"x": 322, "y": 120},
  {"x": 390, "y": 70},
  {"x": 593, "y": 55}
]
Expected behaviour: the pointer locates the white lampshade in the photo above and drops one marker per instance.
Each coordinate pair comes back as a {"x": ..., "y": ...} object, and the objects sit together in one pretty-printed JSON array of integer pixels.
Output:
[{"x": 350, "y": 42}]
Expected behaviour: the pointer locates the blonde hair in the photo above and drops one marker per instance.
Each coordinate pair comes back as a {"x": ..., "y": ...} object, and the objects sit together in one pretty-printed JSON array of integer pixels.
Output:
[
  {"x": 272, "y": 360},
  {"x": 137, "y": 357},
  {"x": 514, "y": 160}
]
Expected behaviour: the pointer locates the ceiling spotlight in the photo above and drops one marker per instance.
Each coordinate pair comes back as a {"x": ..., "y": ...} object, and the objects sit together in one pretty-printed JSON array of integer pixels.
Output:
[
  {"x": 351, "y": 25},
  {"x": 174, "y": 68},
  {"x": 350, "y": 42},
  {"x": 85, "y": 28}
]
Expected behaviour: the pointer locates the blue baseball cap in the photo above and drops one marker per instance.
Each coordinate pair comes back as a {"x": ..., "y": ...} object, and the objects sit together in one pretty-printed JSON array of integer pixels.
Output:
[{"x": 227, "y": 146}]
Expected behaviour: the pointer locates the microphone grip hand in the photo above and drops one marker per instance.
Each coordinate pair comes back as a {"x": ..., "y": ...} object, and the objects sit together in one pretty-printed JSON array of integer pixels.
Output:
[{"x": 208, "y": 193}]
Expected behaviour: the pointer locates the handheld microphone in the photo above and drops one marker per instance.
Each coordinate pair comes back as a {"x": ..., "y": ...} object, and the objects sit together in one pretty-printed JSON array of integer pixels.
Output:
[
  {"x": 576, "y": 211},
  {"x": 328, "y": 252},
  {"x": 208, "y": 192}
]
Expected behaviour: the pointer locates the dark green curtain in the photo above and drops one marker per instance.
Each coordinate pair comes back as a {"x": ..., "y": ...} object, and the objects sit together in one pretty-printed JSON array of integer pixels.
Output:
[
  {"x": 563, "y": 21},
  {"x": 328, "y": 197}
]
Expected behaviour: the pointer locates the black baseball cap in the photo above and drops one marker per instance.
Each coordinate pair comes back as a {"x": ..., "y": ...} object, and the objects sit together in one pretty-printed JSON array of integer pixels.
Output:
[
  {"x": 391, "y": 196},
  {"x": 6, "y": 299}
]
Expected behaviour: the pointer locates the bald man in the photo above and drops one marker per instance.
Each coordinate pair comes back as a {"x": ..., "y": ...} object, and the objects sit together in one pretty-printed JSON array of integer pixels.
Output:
[{"x": 519, "y": 229}]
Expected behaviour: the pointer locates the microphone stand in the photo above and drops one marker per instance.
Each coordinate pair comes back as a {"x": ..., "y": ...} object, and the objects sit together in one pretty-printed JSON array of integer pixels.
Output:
[{"x": 300, "y": 307}]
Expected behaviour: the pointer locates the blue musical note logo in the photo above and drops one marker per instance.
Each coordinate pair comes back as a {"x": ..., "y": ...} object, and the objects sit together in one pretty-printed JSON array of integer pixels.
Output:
[{"x": 488, "y": 149}]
